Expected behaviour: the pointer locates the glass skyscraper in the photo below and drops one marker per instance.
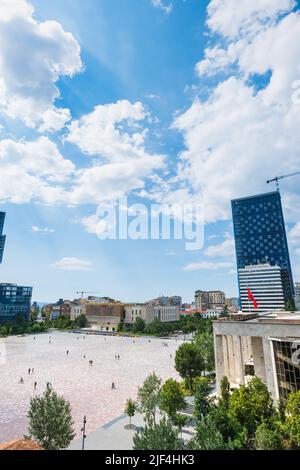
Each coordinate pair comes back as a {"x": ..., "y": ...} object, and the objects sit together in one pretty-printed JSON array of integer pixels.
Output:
[
  {"x": 260, "y": 235},
  {"x": 15, "y": 301},
  {"x": 2, "y": 237}
]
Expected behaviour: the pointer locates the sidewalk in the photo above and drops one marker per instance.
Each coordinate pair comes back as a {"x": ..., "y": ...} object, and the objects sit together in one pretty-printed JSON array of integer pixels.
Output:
[{"x": 111, "y": 436}]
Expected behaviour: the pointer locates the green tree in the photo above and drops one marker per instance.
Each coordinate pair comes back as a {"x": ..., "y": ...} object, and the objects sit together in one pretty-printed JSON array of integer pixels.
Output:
[
  {"x": 171, "y": 398},
  {"x": 81, "y": 321},
  {"x": 267, "y": 438},
  {"x": 251, "y": 405},
  {"x": 130, "y": 409},
  {"x": 225, "y": 392},
  {"x": 180, "y": 421},
  {"x": 207, "y": 437},
  {"x": 160, "y": 436},
  {"x": 148, "y": 398},
  {"x": 205, "y": 342},
  {"x": 139, "y": 325},
  {"x": 189, "y": 362},
  {"x": 203, "y": 402},
  {"x": 50, "y": 421},
  {"x": 292, "y": 423}
]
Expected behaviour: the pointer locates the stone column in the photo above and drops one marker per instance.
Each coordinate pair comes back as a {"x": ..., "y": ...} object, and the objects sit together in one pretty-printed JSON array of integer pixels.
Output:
[
  {"x": 219, "y": 359},
  {"x": 271, "y": 379},
  {"x": 239, "y": 359}
]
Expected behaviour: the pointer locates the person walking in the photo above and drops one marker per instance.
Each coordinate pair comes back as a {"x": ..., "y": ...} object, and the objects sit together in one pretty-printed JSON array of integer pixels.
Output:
[
  {"x": 29, "y": 371},
  {"x": 35, "y": 385}
]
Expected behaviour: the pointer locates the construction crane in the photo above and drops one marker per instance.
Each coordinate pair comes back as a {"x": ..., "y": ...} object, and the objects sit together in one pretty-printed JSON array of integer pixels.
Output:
[
  {"x": 86, "y": 292},
  {"x": 277, "y": 178}
]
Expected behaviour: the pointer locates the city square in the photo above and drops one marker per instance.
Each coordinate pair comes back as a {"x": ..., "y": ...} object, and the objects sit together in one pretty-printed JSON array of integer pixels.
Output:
[{"x": 88, "y": 388}]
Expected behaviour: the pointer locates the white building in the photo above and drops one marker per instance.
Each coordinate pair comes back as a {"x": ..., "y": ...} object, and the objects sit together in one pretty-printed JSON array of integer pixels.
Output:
[
  {"x": 76, "y": 310},
  {"x": 133, "y": 311},
  {"x": 265, "y": 283},
  {"x": 212, "y": 313},
  {"x": 165, "y": 313}
]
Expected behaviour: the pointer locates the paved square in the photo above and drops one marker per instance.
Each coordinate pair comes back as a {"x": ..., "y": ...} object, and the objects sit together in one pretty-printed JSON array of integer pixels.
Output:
[{"x": 88, "y": 388}]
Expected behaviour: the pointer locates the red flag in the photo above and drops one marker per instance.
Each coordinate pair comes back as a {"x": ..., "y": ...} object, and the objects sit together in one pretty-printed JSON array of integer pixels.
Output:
[{"x": 251, "y": 297}]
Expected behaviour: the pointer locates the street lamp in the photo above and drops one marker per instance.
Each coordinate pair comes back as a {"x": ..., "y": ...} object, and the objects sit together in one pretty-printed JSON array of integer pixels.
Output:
[{"x": 83, "y": 432}]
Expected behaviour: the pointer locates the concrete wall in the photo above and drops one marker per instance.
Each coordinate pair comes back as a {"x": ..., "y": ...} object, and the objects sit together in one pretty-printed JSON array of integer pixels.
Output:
[{"x": 235, "y": 343}]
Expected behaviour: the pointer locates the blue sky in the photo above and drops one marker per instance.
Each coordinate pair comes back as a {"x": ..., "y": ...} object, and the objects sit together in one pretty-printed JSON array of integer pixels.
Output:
[{"x": 207, "y": 109}]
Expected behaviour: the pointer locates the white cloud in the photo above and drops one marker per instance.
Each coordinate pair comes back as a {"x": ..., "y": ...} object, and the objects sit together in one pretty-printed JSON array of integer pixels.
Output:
[
  {"x": 114, "y": 134},
  {"x": 231, "y": 18},
  {"x": 72, "y": 264},
  {"x": 33, "y": 170},
  {"x": 111, "y": 131},
  {"x": 33, "y": 56},
  {"x": 238, "y": 138},
  {"x": 224, "y": 249},
  {"x": 207, "y": 266},
  {"x": 167, "y": 7},
  {"x": 294, "y": 233},
  {"x": 45, "y": 230}
]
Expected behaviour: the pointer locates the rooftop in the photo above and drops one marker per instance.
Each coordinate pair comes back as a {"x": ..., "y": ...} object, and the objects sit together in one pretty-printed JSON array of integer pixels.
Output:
[
  {"x": 272, "y": 317},
  {"x": 22, "y": 444}
]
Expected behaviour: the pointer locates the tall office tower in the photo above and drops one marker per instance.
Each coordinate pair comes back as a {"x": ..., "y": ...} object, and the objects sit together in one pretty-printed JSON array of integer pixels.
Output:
[
  {"x": 2, "y": 237},
  {"x": 260, "y": 236}
]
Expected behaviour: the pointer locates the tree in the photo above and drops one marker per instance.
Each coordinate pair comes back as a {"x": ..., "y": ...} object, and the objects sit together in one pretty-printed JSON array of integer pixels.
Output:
[
  {"x": 292, "y": 423},
  {"x": 130, "y": 409},
  {"x": 251, "y": 405},
  {"x": 148, "y": 397},
  {"x": 207, "y": 437},
  {"x": 233, "y": 433},
  {"x": 139, "y": 325},
  {"x": 81, "y": 321},
  {"x": 225, "y": 392},
  {"x": 160, "y": 436},
  {"x": 189, "y": 362},
  {"x": 180, "y": 421},
  {"x": 50, "y": 421},
  {"x": 267, "y": 438},
  {"x": 203, "y": 403},
  {"x": 171, "y": 398},
  {"x": 205, "y": 342}
]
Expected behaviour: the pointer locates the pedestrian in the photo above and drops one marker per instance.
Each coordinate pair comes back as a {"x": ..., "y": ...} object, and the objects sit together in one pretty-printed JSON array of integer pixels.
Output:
[
  {"x": 29, "y": 371},
  {"x": 35, "y": 385},
  {"x": 67, "y": 352},
  {"x": 32, "y": 370},
  {"x": 21, "y": 381}
]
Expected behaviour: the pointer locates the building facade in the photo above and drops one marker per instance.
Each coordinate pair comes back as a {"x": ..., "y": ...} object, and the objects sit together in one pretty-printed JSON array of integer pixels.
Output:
[
  {"x": 144, "y": 311},
  {"x": 15, "y": 302},
  {"x": 164, "y": 313},
  {"x": 266, "y": 284},
  {"x": 260, "y": 235},
  {"x": 167, "y": 313},
  {"x": 105, "y": 316},
  {"x": 2, "y": 237},
  {"x": 205, "y": 300},
  {"x": 265, "y": 346}
]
